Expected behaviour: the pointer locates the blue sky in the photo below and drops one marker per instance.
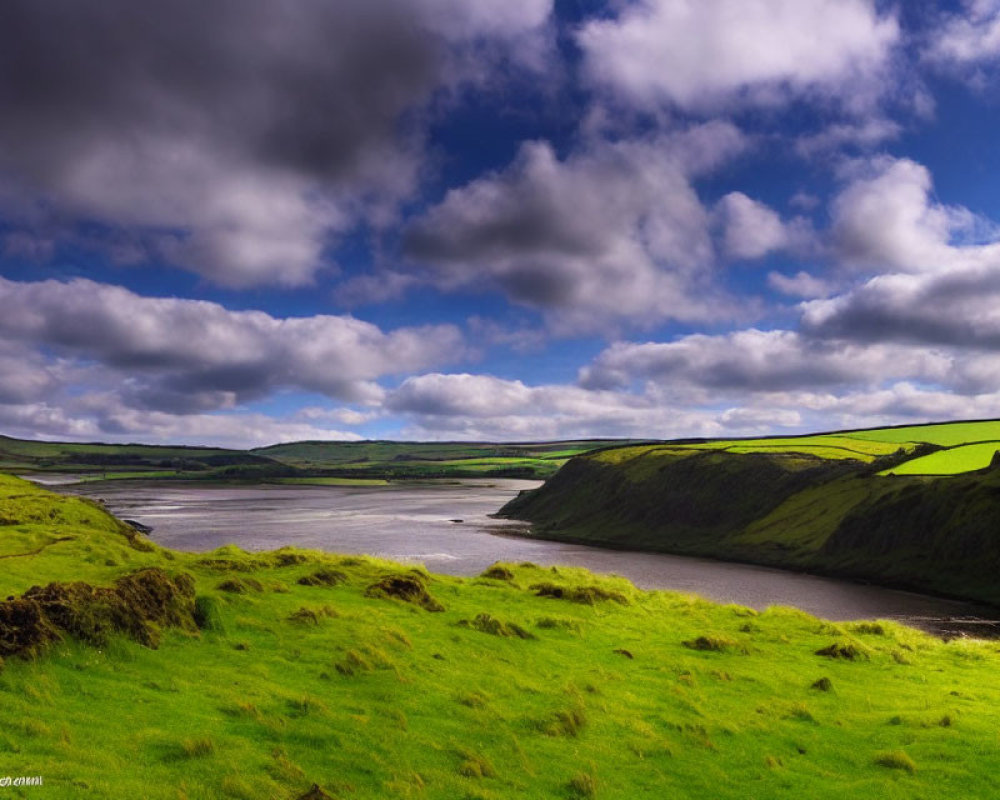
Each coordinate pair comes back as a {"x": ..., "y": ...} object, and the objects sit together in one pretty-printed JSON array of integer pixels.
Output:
[{"x": 242, "y": 223}]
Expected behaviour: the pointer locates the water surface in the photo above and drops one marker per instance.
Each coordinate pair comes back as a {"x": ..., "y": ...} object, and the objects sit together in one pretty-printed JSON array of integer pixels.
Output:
[{"x": 417, "y": 523}]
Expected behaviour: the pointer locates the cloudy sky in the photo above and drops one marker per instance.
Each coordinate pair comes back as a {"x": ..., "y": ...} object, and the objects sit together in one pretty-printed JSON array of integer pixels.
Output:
[{"x": 246, "y": 221}]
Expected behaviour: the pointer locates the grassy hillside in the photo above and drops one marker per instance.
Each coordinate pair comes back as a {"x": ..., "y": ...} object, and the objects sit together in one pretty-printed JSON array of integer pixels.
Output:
[
  {"x": 148, "y": 461},
  {"x": 300, "y": 461},
  {"x": 263, "y": 675},
  {"x": 385, "y": 459},
  {"x": 791, "y": 509}
]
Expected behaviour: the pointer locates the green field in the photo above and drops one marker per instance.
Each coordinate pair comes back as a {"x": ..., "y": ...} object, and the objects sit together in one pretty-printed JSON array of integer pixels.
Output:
[
  {"x": 302, "y": 462},
  {"x": 277, "y": 671},
  {"x": 939, "y": 449},
  {"x": 951, "y": 461}
]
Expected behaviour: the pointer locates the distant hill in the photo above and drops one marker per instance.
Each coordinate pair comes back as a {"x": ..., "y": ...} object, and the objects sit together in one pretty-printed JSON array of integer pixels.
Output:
[{"x": 303, "y": 461}]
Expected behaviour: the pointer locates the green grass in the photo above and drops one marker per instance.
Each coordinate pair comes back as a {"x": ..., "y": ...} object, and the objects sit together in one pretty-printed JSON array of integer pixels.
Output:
[
  {"x": 319, "y": 463},
  {"x": 369, "y": 697},
  {"x": 951, "y": 461}
]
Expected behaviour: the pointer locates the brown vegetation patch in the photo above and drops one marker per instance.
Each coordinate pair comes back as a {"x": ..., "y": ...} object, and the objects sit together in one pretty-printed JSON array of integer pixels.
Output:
[
  {"x": 323, "y": 577},
  {"x": 485, "y": 623},
  {"x": 137, "y": 605},
  {"x": 845, "y": 651},
  {"x": 240, "y": 586},
  {"x": 589, "y": 595},
  {"x": 409, "y": 588},
  {"x": 498, "y": 573}
]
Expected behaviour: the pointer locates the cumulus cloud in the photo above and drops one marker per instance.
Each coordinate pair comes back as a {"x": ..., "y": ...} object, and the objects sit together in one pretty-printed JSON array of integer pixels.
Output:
[
  {"x": 237, "y": 137},
  {"x": 864, "y": 134},
  {"x": 957, "y": 308},
  {"x": 751, "y": 229},
  {"x": 756, "y": 361},
  {"x": 463, "y": 406},
  {"x": 187, "y": 355},
  {"x": 698, "y": 55},
  {"x": 801, "y": 284},
  {"x": 103, "y": 418},
  {"x": 886, "y": 220},
  {"x": 615, "y": 231},
  {"x": 970, "y": 36}
]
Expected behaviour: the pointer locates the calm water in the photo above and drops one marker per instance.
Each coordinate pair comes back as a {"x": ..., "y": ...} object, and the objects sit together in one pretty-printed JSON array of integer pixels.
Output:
[{"x": 414, "y": 523}]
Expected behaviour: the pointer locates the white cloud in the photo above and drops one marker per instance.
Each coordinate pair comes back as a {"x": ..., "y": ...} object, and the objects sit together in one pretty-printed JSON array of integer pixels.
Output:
[
  {"x": 801, "y": 284},
  {"x": 176, "y": 354},
  {"x": 701, "y": 53},
  {"x": 886, "y": 220},
  {"x": 752, "y": 230},
  {"x": 614, "y": 233},
  {"x": 970, "y": 36},
  {"x": 757, "y": 361}
]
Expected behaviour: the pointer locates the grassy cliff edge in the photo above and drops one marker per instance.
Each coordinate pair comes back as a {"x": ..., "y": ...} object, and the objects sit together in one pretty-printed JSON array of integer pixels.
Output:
[{"x": 838, "y": 517}]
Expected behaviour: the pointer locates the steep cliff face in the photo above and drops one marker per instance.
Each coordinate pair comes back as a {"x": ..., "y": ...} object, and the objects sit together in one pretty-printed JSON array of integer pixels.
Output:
[{"x": 781, "y": 510}]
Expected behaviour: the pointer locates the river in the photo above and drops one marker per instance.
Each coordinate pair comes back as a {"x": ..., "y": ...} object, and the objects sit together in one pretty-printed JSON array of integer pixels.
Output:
[{"x": 420, "y": 523}]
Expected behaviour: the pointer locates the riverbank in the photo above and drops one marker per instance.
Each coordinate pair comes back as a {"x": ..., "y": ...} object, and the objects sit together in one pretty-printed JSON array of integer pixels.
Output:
[
  {"x": 277, "y": 671},
  {"x": 415, "y": 523}
]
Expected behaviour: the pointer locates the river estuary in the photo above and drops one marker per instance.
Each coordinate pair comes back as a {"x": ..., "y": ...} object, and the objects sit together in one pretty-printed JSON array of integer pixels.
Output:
[{"x": 447, "y": 527}]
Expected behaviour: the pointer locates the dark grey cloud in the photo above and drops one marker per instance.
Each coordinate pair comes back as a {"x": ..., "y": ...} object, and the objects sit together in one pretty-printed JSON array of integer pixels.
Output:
[
  {"x": 187, "y": 355},
  {"x": 957, "y": 309},
  {"x": 238, "y": 134}
]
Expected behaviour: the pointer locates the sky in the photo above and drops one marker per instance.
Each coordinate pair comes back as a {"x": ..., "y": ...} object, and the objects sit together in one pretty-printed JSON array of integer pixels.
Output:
[{"x": 241, "y": 222}]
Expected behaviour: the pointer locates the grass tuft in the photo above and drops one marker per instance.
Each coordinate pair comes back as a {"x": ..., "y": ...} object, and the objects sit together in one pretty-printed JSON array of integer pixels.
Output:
[{"x": 896, "y": 759}]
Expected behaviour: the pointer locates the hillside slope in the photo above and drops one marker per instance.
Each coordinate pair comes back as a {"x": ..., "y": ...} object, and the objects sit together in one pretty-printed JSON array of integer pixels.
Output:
[
  {"x": 801, "y": 511},
  {"x": 128, "y": 670}
]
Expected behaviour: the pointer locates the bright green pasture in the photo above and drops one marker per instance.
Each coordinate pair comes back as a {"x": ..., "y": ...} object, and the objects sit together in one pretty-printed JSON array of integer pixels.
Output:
[
  {"x": 630, "y": 695},
  {"x": 946, "y": 434},
  {"x": 952, "y": 461}
]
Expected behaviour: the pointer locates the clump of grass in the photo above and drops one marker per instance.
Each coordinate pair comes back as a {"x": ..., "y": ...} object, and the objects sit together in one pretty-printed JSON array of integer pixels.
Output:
[
  {"x": 567, "y": 722},
  {"x": 714, "y": 644},
  {"x": 353, "y": 663},
  {"x": 583, "y": 784},
  {"x": 409, "y": 588},
  {"x": 247, "y": 710},
  {"x": 198, "y": 747},
  {"x": 240, "y": 586},
  {"x": 286, "y": 557},
  {"x": 473, "y": 700},
  {"x": 588, "y": 595},
  {"x": 554, "y": 623},
  {"x": 846, "y": 651},
  {"x": 475, "y": 765},
  {"x": 823, "y": 685},
  {"x": 498, "y": 572},
  {"x": 485, "y": 623},
  {"x": 800, "y": 712},
  {"x": 138, "y": 605},
  {"x": 870, "y": 628},
  {"x": 312, "y": 616},
  {"x": 896, "y": 759},
  {"x": 208, "y": 614},
  {"x": 323, "y": 577}
]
